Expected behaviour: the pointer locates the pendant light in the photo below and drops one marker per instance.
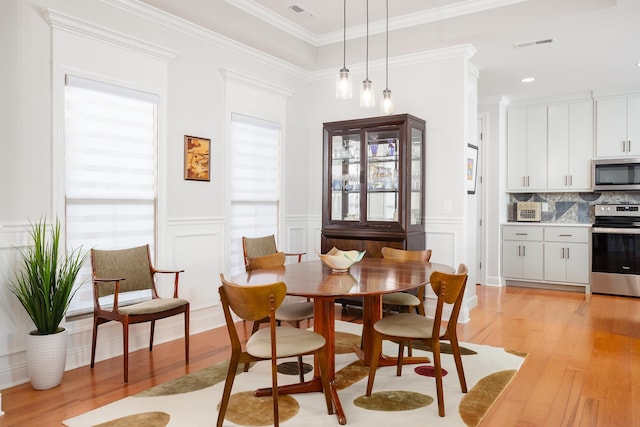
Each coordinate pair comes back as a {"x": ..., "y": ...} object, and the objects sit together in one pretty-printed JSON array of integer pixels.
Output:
[
  {"x": 367, "y": 93},
  {"x": 344, "y": 87},
  {"x": 387, "y": 102}
]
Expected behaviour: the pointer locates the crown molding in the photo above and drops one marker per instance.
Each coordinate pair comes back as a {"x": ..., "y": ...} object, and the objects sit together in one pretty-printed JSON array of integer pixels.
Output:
[
  {"x": 464, "y": 7},
  {"x": 465, "y": 51},
  {"x": 190, "y": 29},
  {"x": 234, "y": 76},
  {"x": 74, "y": 25},
  {"x": 158, "y": 16}
]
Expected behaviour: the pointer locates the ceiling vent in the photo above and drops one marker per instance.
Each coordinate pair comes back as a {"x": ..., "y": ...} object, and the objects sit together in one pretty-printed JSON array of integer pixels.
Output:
[
  {"x": 297, "y": 9},
  {"x": 534, "y": 43}
]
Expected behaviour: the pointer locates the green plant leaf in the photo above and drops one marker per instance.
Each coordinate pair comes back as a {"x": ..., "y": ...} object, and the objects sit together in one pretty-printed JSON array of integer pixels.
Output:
[{"x": 44, "y": 280}]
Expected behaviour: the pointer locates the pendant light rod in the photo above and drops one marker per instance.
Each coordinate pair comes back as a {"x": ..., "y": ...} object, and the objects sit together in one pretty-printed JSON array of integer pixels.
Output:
[
  {"x": 387, "y": 55},
  {"x": 367, "y": 51},
  {"x": 344, "y": 34},
  {"x": 344, "y": 87},
  {"x": 387, "y": 101},
  {"x": 367, "y": 92}
]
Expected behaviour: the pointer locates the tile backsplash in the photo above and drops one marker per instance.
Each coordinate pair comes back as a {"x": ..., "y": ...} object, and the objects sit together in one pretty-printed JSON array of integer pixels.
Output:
[{"x": 571, "y": 208}]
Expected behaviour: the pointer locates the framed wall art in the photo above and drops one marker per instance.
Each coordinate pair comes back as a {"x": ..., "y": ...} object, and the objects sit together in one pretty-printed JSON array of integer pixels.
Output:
[
  {"x": 197, "y": 152},
  {"x": 472, "y": 168}
]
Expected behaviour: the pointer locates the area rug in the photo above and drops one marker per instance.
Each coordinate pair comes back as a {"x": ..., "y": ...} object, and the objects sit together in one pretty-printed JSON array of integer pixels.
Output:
[{"x": 410, "y": 399}]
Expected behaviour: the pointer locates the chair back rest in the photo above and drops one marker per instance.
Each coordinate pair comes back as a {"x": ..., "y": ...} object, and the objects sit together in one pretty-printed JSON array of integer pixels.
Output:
[
  {"x": 449, "y": 288},
  {"x": 405, "y": 255},
  {"x": 256, "y": 247},
  {"x": 133, "y": 265},
  {"x": 267, "y": 261},
  {"x": 249, "y": 302}
]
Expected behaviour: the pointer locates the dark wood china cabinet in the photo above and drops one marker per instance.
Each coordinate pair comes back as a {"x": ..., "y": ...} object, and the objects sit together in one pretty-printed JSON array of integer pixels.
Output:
[{"x": 373, "y": 184}]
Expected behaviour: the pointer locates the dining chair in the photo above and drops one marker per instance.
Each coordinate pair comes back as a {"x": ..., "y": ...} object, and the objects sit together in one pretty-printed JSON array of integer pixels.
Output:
[
  {"x": 405, "y": 300},
  {"x": 115, "y": 274},
  {"x": 256, "y": 247},
  {"x": 449, "y": 288},
  {"x": 259, "y": 253},
  {"x": 252, "y": 303}
]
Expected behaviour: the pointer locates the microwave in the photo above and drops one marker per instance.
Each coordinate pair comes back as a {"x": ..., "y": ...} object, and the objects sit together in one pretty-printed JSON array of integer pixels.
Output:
[{"x": 621, "y": 174}]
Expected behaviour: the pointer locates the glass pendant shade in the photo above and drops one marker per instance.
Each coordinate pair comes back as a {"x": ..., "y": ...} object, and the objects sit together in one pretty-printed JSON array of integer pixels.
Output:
[
  {"x": 387, "y": 102},
  {"x": 344, "y": 86},
  {"x": 367, "y": 95}
]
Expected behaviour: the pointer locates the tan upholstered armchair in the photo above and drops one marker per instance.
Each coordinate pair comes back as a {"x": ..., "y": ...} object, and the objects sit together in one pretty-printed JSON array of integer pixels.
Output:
[{"x": 116, "y": 272}]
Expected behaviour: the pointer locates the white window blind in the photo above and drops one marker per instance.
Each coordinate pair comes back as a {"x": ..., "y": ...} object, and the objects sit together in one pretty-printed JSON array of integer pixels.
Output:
[
  {"x": 110, "y": 172},
  {"x": 255, "y": 182}
]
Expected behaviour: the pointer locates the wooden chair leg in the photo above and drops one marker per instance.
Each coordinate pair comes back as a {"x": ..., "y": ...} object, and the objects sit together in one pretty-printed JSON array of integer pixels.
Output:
[
  {"x": 125, "y": 353},
  {"x": 435, "y": 346},
  {"x": 274, "y": 392},
  {"x": 400, "y": 357},
  {"x": 458, "y": 359},
  {"x": 186, "y": 335},
  {"x": 153, "y": 330},
  {"x": 228, "y": 384},
  {"x": 94, "y": 341}
]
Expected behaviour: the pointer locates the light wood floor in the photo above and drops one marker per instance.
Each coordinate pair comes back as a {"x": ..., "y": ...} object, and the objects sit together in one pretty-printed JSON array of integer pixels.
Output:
[{"x": 583, "y": 367}]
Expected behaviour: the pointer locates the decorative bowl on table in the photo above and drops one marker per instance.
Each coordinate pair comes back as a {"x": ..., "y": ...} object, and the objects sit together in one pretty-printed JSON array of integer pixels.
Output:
[{"x": 340, "y": 261}]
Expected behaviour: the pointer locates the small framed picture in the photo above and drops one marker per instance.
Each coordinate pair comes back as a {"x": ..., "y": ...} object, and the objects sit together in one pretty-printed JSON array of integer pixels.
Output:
[
  {"x": 197, "y": 153},
  {"x": 472, "y": 168}
]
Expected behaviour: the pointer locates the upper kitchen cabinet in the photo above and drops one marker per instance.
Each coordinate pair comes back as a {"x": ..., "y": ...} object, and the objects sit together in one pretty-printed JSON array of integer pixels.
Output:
[
  {"x": 618, "y": 126},
  {"x": 570, "y": 146},
  {"x": 527, "y": 148},
  {"x": 373, "y": 184}
]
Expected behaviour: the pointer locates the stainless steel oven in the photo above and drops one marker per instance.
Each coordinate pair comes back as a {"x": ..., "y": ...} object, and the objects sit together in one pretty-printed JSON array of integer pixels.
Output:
[{"x": 615, "y": 250}]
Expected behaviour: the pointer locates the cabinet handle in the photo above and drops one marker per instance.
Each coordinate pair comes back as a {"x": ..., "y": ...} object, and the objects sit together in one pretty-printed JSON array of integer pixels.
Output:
[
  {"x": 629, "y": 146},
  {"x": 565, "y": 235},
  {"x": 567, "y": 253},
  {"x": 570, "y": 180},
  {"x": 522, "y": 234},
  {"x": 562, "y": 256},
  {"x": 524, "y": 248},
  {"x": 624, "y": 146}
]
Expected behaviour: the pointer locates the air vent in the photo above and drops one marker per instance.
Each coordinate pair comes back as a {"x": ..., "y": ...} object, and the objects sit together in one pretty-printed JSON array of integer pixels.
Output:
[
  {"x": 534, "y": 43},
  {"x": 296, "y": 8}
]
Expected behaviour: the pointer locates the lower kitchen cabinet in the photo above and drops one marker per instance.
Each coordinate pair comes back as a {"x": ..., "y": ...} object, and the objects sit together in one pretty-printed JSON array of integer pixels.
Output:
[
  {"x": 566, "y": 255},
  {"x": 522, "y": 253},
  {"x": 554, "y": 255}
]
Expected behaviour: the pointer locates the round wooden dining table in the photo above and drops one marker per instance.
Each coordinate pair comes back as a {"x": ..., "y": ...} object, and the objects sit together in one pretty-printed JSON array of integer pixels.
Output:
[{"x": 369, "y": 279}]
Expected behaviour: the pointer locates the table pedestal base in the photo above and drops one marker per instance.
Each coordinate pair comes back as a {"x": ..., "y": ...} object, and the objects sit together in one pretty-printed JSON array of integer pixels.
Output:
[{"x": 312, "y": 386}]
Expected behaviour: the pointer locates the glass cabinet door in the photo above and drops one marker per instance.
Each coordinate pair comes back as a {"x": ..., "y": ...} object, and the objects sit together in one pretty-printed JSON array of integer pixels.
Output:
[
  {"x": 382, "y": 151},
  {"x": 415, "y": 201},
  {"x": 345, "y": 177}
]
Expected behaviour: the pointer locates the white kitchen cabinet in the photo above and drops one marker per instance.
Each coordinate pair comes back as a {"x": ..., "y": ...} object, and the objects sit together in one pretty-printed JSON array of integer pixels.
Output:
[
  {"x": 552, "y": 256},
  {"x": 618, "y": 126},
  {"x": 566, "y": 255},
  {"x": 522, "y": 253},
  {"x": 527, "y": 148},
  {"x": 570, "y": 146}
]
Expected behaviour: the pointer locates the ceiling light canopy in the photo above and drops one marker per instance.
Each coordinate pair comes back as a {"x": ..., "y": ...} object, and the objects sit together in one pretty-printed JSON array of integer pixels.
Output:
[{"x": 527, "y": 79}]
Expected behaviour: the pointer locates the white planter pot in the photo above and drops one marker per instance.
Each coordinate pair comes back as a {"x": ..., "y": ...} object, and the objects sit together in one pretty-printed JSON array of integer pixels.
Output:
[{"x": 46, "y": 359}]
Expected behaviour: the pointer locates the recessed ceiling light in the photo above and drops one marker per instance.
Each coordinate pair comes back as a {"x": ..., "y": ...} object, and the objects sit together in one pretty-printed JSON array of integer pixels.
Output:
[{"x": 527, "y": 79}]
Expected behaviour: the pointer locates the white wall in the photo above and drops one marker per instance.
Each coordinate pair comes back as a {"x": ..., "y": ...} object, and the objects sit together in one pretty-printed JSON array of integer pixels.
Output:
[{"x": 192, "y": 227}]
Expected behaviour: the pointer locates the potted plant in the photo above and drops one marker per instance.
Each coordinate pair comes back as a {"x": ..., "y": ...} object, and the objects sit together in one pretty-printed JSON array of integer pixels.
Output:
[{"x": 44, "y": 285}]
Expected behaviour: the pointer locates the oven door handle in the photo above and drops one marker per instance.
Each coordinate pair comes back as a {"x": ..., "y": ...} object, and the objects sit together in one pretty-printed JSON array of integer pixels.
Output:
[{"x": 604, "y": 230}]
